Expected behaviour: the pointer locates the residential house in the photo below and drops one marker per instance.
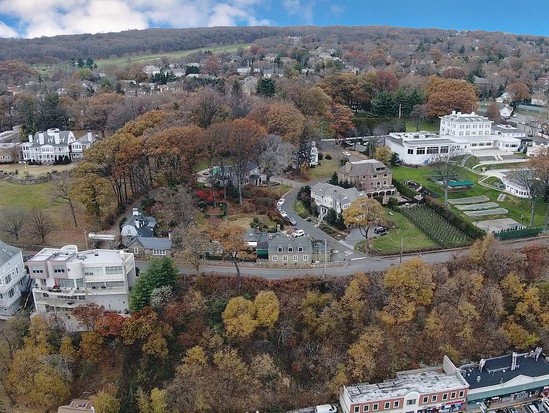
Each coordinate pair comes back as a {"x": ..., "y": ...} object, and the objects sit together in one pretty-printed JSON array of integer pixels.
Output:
[
  {"x": 283, "y": 249},
  {"x": 327, "y": 196},
  {"x": 460, "y": 133},
  {"x": 137, "y": 225},
  {"x": 13, "y": 279},
  {"x": 369, "y": 176},
  {"x": 515, "y": 185},
  {"x": 431, "y": 389},
  {"x": 77, "y": 406},
  {"x": 506, "y": 112},
  {"x": 244, "y": 71},
  {"x": 151, "y": 70},
  {"x": 258, "y": 241},
  {"x": 538, "y": 99},
  {"x": 55, "y": 145},
  {"x": 66, "y": 278},
  {"x": 150, "y": 246},
  {"x": 10, "y": 152},
  {"x": 249, "y": 85},
  {"x": 251, "y": 174}
]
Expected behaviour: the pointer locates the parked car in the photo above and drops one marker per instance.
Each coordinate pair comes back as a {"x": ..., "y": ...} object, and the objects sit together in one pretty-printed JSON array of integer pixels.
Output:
[
  {"x": 380, "y": 230},
  {"x": 298, "y": 233},
  {"x": 280, "y": 202},
  {"x": 347, "y": 154},
  {"x": 325, "y": 408},
  {"x": 292, "y": 221},
  {"x": 532, "y": 408},
  {"x": 282, "y": 213}
]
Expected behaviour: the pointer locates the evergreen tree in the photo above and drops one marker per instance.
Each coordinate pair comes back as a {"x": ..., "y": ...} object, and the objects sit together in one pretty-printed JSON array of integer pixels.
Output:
[
  {"x": 266, "y": 87},
  {"x": 383, "y": 104},
  {"x": 333, "y": 180},
  {"x": 160, "y": 273}
]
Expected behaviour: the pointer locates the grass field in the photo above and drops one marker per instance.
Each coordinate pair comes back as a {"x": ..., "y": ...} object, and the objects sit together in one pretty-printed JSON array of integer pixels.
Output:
[
  {"x": 411, "y": 237},
  {"x": 151, "y": 58},
  {"x": 517, "y": 207},
  {"x": 326, "y": 169},
  {"x": 429, "y": 125},
  {"x": 34, "y": 170}
]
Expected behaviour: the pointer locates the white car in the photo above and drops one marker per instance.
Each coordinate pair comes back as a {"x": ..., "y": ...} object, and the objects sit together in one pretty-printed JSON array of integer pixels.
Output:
[
  {"x": 280, "y": 202},
  {"x": 282, "y": 213},
  {"x": 298, "y": 233},
  {"x": 325, "y": 408}
]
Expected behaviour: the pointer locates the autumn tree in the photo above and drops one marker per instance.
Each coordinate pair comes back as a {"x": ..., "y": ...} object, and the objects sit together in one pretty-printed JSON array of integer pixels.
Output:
[
  {"x": 519, "y": 92},
  {"x": 275, "y": 155},
  {"x": 231, "y": 240},
  {"x": 267, "y": 308},
  {"x": 40, "y": 224},
  {"x": 239, "y": 318},
  {"x": 105, "y": 402},
  {"x": 492, "y": 112},
  {"x": 62, "y": 195},
  {"x": 160, "y": 273},
  {"x": 191, "y": 243},
  {"x": 12, "y": 221},
  {"x": 383, "y": 154},
  {"x": 447, "y": 95},
  {"x": 148, "y": 333},
  {"x": 96, "y": 110},
  {"x": 281, "y": 119},
  {"x": 207, "y": 107},
  {"x": 364, "y": 213},
  {"x": 362, "y": 360},
  {"x": 341, "y": 121}
]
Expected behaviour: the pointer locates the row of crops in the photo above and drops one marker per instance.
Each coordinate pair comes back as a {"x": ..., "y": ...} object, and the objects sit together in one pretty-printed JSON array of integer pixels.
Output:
[{"x": 435, "y": 226}]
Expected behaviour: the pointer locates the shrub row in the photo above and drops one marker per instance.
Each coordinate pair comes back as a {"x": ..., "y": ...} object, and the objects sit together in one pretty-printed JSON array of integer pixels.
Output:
[
  {"x": 518, "y": 233},
  {"x": 404, "y": 190},
  {"x": 467, "y": 227}
]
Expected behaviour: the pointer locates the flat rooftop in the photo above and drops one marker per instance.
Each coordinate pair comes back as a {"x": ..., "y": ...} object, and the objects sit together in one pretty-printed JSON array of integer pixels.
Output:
[
  {"x": 430, "y": 380},
  {"x": 498, "y": 370},
  {"x": 90, "y": 256}
]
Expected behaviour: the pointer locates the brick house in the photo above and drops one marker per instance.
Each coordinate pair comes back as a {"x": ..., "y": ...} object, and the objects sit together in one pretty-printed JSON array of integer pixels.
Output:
[{"x": 369, "y": 175}]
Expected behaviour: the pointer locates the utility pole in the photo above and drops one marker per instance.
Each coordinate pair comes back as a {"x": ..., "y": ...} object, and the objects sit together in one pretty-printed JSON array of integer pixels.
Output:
[
  {"x": 325, "y": 256},
  {"x": 401, "y": 248}
]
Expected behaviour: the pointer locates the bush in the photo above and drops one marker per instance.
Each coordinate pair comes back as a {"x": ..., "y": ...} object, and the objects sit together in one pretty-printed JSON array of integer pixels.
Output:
[
  {"x": 392, "y": 203},
  {"x": 320, "y": 156},
  {"x": 328, "y": 157},
  {"x": 404, "y": 190}
]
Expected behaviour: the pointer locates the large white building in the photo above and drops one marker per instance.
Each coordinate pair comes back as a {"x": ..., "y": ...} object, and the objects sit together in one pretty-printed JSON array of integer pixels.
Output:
[
  {"x": 459, "y": 132},
  {"x": 13, "y": 279},
  {"x": 54, "y": 145},
  {"x": 66, "y": 278}
]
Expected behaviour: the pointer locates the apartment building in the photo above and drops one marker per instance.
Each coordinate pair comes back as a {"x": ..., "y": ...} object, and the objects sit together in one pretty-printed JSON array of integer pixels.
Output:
[{"x": 13, "y": 279}]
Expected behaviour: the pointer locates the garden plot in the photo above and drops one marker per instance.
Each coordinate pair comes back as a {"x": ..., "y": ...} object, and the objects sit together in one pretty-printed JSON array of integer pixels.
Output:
[
  {"x": 469, "y": 200},
  {"x": 475, "y": 207},
  {"x": 486, "y": 212}
]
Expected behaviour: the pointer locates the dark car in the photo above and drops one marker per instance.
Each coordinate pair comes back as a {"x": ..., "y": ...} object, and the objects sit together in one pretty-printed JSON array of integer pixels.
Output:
[{"x": 380, "y": 230}]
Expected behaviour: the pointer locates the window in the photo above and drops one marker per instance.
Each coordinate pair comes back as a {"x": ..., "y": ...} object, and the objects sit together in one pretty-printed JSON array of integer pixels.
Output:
[
  {"x": 410, "y": 151},
  {"x": 443, "y": 149},
  {"x": 159, "y": 252},
  {"x": 396, "y": 404},
  {"x": 425, "y": 399},
  {"x": 115, "y": 284},
  {"x": 279, "y": 248},
  {"x": 420, "y": 151},
  {"x": 7, "y": 280},
  {"x": 410, "y": 402},
  {"x": 445, "y": 396},
  {"x": 93, "y": 271},
  {"x": 296, "y": 258},
  {"x": 387, "y": 405},
  {"x": 357, "y": 409},
  {"x": 453, "y": 395},
  {"x": 11, "y": 293},
  {"x": 432, "y": 149},
  {"x": 275, "y": 257},
  {"x": 38, "y": 271},
  {"x": 58, "y": 270},
  {"x": 118, "y": 269},
  {"x": 375, "y": 407},
  {"x": 300, "y": 248},
  {"x": 365, "y": 408},
  {"x": 290, "y": 248},
  {"x": 65, "y": 283},
  {"x": 374, "y": 176},
  {"x": 305, "y": 258},
  {"x": 461, "y": 393},
  {"x": 434, "y": 398},
  {"x": 285, "y": 258}
]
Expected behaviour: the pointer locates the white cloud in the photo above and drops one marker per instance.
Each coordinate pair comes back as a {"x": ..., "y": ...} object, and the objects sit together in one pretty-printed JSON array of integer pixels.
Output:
[
  {"x": 303, "y": 9},
  {"x": 52, "y": 17}
]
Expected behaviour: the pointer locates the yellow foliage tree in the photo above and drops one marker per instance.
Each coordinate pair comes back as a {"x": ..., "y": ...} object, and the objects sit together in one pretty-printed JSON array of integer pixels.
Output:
[
  {"x": 517, "y": 336},
  {"x": 383, "y": 154},
  {"x": 267, "y": 308},
  {"x": 364, "y": 213},
  {"x": 105, "y": 402},
  {"x": 239, "y": 318},
  {"x": 362, "y": 360}
]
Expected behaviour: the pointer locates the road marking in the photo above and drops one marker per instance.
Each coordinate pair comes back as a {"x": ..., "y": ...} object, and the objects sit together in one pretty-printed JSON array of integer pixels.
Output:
[{"x": 359, "y": 258}]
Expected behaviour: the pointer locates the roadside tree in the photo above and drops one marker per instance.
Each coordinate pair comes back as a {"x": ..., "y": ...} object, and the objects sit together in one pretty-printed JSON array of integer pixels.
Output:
[{"x": 364, "y": 214}]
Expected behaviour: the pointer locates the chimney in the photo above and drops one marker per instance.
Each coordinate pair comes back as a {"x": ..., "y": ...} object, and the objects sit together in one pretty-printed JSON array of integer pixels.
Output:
[
  {"x": 30, "y": 138},
  {"x": 135, "y": 212},
  {"x": 90, "y": 136},
  {"x": 41, "y": 138}
]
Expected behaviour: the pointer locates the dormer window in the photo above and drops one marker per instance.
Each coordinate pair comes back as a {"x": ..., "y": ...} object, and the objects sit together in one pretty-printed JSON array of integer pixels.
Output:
[
  {"x": 290, "y": 248},
  {"x": 279, "y": 248}
]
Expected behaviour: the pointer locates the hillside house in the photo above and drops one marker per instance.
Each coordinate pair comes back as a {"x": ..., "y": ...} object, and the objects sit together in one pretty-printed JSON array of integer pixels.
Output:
[
  {"x": 327, "y": 196},
  {"x": 369, "y": 176},
  {"x": 55, "y": 145}
]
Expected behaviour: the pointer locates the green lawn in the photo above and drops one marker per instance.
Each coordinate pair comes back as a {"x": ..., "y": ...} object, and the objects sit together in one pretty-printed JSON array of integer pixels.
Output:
[
  {"x": 411, "y": 237},
  {"x": 25, "y": 196},
  {"x": 326, "y": 169},
  {"x": 151, "y": 58},
  {"x": 517, "y": 207},
  {"x": 430, "y": 125}
]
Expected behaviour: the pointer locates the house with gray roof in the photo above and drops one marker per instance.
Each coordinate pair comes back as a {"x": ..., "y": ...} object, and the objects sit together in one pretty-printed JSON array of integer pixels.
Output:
[
  {"x": 137, "y": 225},
  {"x": 370, "y": 176},
  {"x": 328, "y": 196},
  {"x": 13, "y": 279},
  {"x": 55, "y": 145},
  {"x": 151, "y": 246},
  {"x": 286, "y": 250}
]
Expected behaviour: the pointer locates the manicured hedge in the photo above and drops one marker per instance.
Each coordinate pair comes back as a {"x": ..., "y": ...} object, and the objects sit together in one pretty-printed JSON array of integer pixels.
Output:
[
  {"x": 467, "y": 227},
  {"x": 518, "y": 233},
  {"x": 404, "y": 190}
]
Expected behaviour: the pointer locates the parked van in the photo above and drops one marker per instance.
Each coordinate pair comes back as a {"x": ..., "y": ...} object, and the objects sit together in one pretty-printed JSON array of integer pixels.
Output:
[
  {"x": 325, "y": 408},
  {"x": 532, "y": 408}
]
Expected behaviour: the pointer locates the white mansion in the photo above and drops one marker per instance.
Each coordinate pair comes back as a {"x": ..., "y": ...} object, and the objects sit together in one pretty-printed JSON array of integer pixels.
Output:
[
  {"x": 53, "y": 145},
  {"x": 459, "y": 133}
]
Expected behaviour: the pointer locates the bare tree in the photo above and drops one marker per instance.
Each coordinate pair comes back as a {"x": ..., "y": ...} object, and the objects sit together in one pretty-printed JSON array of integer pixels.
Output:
[
  {"x": 527, "y": 178},
  {"x": 62, "y": 195},
  {"x": 12, "y": 221},
  {"x": 446, "y": 167},
  {"x": 40, "y": 223},
  {"x": 175, "y": 206},
  {"x": 191, "y": 244},
  {"x": 275, "y": 155}
]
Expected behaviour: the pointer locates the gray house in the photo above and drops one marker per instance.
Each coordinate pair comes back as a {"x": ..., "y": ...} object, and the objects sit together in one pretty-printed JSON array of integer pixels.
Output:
[
  {"x": 328, "y": 196},
  {"x": 138, "y": 225},
  {"x": 290, "y": 251},
  {"x": 150, "y": 246},
  {"x": 369, "y": 176}
]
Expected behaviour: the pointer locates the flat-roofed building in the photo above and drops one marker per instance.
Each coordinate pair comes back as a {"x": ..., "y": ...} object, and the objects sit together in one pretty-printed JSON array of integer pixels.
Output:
[
  {"x": 425, "y": 390},
  {"x": 77, "y": 406},
  {"x": 13, "y": 279}
]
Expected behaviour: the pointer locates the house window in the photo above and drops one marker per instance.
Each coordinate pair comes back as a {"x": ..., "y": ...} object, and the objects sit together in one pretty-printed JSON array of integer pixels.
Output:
[
  {"x": 425, "y": 399},
  {"x": 432, "y": 150},
  {"x": 453, "y": 395},
  {"x": 65, "y": 283},
  {"x": 114, "y": 270},
  {"x": 11, "y": 293},
  {"x": 374, "y": 176},
  {"x": 290, "y": 248},
  {"x": 357, "y": 409},
  {"x": 410, "y": 151},
  {"x": 93, "y": 271},
  {"x": 387, "y": 405},
  {"x": 365, "y": 408},
  {"x": 375, "y": 407},
  {"x": 7, "y": 280},
  {"x": 285, "y": 258},
  {"x": 420, "y": 151},
  {"x": 58, "y": 270},
  {"x": 461, "y": 393},
  {"x": 279, "y": 248},
  {"x": 1, "y": 296},
  {"x": 410, "y": 402},
  {"x": 445, "y": 396},
  {"x": 159, "y": 252},
  {"x": 305, "y": 258},
  {"x": 300, "y": 248},
  {"x": 136, "y": 250},
  {"x": 396, "y": 404},
  {"x": 444, "y": 149},
  {"x": 115, "y": 284},
  {"x": 434, "y": 398}
]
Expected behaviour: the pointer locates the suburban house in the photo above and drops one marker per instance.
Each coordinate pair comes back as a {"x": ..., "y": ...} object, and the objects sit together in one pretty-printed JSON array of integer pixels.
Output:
[
  {"x": 283, "y": 249},
  {"x": 137, "y": 225},
  {"x": 9, "y": 152},
  {"x": 55, "y": 145},
  {"x": 328, "y": 196},
  {"x": 150, "y": 246},
  {"x": 13, "y": 279},
  {"x": 224, "y": 174},
  {"x": 66, "y": 278},
  {"x": 506, "y": 112},
  {"x": 431, "y": 389},
  {"x": 369, "y": 176},
  {"x": 460, "y": 133}
]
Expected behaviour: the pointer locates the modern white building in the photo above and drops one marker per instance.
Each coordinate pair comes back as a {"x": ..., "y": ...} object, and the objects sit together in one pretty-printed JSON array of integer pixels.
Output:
[
  {"x": 328, "y": 196},
  {"x": 459, "y": 133},
  {"x": 66, "y": 278},
  {"x": 13, "y": 279},
  {"x": 515, "y": 182},
  {"x": 54, "y": 145}
]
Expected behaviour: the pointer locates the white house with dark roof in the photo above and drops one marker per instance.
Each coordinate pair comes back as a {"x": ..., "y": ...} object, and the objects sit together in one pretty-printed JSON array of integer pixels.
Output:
[
  {"x": 137, "y": 225},
  {"x": 13, "y": 278},
  {"x": 328, "y": 196},
  {"x": 54, "y": 145}
]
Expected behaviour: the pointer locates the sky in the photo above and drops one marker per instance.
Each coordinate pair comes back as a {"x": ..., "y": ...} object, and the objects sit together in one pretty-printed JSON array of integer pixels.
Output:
[{"x": 36, "y": 18}]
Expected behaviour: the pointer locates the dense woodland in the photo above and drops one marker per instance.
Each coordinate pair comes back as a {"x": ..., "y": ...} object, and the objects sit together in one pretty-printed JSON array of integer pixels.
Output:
[
  {"x": 198, "y": 345},
  {"x": 231, "y": 344}
]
